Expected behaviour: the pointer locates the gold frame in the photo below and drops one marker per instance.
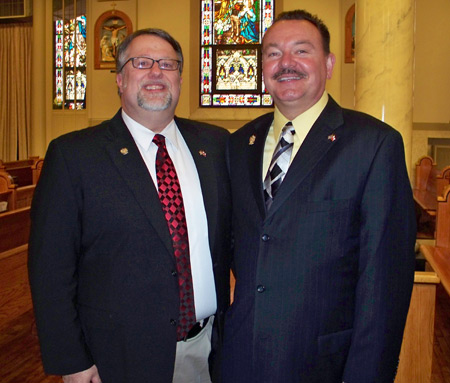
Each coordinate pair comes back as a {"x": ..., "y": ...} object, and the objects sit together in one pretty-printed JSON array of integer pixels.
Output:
[
  {"x": 110, "y": 29},
  {"x": 349, "y": 37}
]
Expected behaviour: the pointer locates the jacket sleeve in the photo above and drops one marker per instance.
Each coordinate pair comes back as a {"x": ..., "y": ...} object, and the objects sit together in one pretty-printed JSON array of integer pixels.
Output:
[
  {"x": 386, "y": 267},
  {"x": 54, "y": 249}
]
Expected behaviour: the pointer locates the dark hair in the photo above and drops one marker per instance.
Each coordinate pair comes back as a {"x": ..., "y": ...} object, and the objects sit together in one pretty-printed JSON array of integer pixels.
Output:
[
  {"x": 300, "y": 14},
  {"x": 122, "y": 50}
]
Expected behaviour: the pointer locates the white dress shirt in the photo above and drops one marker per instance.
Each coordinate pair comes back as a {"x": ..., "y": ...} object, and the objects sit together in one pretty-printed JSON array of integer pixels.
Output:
[{"x": 197, "y": 225}]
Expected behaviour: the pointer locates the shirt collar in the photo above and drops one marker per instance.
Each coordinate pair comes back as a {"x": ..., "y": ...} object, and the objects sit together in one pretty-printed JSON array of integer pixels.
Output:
[
  {"x": 144, "y": 136},
  {"x": 302, "y": 121}
]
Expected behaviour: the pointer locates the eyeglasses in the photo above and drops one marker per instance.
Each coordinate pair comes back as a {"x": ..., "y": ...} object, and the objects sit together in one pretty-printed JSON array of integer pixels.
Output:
[{"x": 147, "y": 63}]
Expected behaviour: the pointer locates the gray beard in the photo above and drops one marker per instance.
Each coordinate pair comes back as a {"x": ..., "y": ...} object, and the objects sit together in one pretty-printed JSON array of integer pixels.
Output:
[{"x": 155, "y": 105}]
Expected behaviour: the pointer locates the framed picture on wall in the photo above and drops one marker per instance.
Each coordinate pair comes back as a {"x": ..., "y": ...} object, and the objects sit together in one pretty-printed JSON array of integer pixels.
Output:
[
  {"x": 350, "y": 35},
  {"x": 110, "y": 29}
]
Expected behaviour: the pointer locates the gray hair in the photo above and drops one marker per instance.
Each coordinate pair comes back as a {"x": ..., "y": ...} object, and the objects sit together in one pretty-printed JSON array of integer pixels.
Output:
[{"x": 122, "y": 50}]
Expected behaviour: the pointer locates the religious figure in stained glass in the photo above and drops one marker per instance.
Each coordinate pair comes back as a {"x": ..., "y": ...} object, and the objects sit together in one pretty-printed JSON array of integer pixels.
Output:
[
  {"x": 222, "y": 22},
  {"x": 70, "y": 64},
  {"x": 231, "y": 35},
  {"x": 236, "y": 22},
  {"x": 247, "y": 23}
]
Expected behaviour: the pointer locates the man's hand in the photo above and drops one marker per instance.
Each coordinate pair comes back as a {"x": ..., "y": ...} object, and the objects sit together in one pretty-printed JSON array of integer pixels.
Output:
[{"x": 87, "y": 376}]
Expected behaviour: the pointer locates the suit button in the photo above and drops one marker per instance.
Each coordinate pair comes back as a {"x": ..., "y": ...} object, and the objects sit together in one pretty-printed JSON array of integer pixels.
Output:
[
  {"x": 265, "y": 237},
  {"x": 260, "y": 289},
  {"x": 174, "y": 273},
  {"x": 173, "y": 322}
]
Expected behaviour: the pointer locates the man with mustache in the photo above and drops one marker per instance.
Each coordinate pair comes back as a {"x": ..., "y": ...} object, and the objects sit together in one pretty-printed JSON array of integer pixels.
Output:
[
  {"x": 324, "y": 228},
  {"x": 130, "y": 237}
]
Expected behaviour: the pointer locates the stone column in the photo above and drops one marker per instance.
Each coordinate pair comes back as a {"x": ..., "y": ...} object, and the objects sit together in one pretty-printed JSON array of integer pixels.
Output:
[{"x": 384, "y": 63}]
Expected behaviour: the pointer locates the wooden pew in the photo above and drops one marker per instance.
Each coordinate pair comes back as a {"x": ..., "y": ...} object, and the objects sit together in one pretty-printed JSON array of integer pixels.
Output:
[
  {"x": 442, "y": 180},
  {"x": 18, "y": 180},
  {"x": 7, "y": 193},
  {"x": 429, "y": 183},
  {"x": 15, "y": 196},
  {"x": 425, "y": 184},
  {"x": 14, "y": 228},
  {"x": 24, "y": 196},
  {"x": 428, "y": 186},
  {"x": 15, "y": 297},
  {"x": 425, "y": 167},
  {"x": 438, "y": 256},
  {"x": 36, "y": 169},
  {"x": 416, "y": 354},
  {"x": 24, "y": 172}
]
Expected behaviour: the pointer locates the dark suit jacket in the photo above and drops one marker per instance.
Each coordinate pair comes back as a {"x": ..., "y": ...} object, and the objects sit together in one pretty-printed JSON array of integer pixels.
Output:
[
  {"x": 324, "y": 278},
  {"x": 101, "y": 258}
]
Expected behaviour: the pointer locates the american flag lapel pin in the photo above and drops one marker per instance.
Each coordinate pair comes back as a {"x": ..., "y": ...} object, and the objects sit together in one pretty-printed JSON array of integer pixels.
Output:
[
  {"x": 202, "y": 153},
  {"x": 332, "y": 137},
  {"x": 252, "y": 139}
]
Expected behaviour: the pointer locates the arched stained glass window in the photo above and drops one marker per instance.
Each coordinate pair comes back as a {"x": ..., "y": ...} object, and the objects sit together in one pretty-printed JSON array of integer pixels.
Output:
[
  {"x": 69, "y": 20},
  {"x": 230, "y": 62}
]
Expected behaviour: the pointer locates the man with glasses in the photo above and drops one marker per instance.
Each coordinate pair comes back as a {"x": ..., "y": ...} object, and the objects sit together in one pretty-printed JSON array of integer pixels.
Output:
[{"x": 129, "y": 243}]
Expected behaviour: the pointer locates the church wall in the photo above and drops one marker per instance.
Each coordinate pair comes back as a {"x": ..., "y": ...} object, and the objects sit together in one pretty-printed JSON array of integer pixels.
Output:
[
  {"x": 181, "y": 19},
  {"x": 431, "y": 110}
]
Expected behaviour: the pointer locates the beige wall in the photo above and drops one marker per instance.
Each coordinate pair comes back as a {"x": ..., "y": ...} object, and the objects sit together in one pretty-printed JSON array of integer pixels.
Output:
[
  {"x": 181, "y": 19},
  {"x": 431, "y": 112},
  {"x": 432, "y": 62}
]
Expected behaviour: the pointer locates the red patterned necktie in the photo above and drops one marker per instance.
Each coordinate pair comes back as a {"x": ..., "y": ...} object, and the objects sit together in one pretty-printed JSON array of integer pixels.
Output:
[{"x": 172, "y": 204}]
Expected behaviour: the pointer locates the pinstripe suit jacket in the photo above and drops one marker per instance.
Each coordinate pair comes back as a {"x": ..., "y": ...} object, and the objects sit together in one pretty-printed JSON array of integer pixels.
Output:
[{"x": 324, "y": 277}]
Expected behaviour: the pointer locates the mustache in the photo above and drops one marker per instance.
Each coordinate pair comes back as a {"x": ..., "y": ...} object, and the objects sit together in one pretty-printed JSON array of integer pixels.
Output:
[{"x": 284, "y": 71}]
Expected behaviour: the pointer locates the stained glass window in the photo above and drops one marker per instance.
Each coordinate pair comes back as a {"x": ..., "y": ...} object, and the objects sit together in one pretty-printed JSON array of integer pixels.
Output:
[
  {"x": 230, "y": 62},
  {"x": 69, "y": 54}
]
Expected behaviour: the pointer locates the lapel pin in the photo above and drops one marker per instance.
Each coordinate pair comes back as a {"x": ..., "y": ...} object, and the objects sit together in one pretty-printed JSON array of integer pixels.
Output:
[
  {"x": 252, "y": 139},
  {"x": 124, "y": 151},
  {"x": 202, "y": 153},
  {"x": 332, "y": 137}
]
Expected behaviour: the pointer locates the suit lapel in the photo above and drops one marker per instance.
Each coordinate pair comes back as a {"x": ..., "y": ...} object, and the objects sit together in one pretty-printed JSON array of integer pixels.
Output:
[
  {"x": 254, "y": 152},
  {"x": 126, "y": 157},
  {"x": 199, "y": 149},
  {"x": 322, "y": 136}
]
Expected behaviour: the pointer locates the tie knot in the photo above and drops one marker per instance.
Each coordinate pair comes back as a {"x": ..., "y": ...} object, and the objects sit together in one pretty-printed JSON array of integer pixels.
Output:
[
  {"x": 159, "y": 140},
  {"x": 287, "y": 134},
  {"x": 288, "y": 128}
]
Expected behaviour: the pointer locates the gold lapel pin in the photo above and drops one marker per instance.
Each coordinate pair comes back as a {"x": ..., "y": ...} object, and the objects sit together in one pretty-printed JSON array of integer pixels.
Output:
[
  {"x": 332, "y": 137},
  {"x": 252, "y": 140},
  {"x": 202, "y": 153},
  {"x": 124, "y": 151}
]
